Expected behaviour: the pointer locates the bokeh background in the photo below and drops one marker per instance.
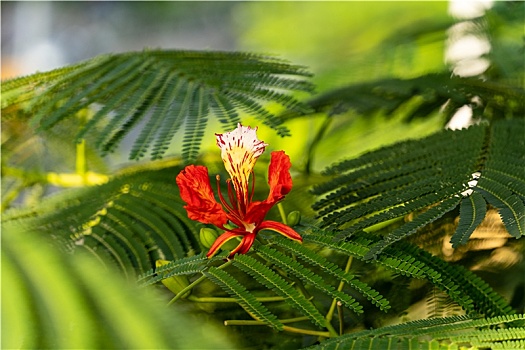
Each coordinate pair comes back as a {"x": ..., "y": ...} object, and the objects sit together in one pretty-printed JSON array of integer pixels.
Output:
[
  {"x": 45, "y": 35},
  {"x": 341, "y": 43}
]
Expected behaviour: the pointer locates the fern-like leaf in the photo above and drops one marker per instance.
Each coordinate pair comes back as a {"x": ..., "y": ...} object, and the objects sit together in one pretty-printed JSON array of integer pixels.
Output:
[
  {"x": 464, "y": 287},
  {"x": 510, "y": 207},
  {"x": 502, "y": 180},
  {"x": 133, "y": 220},
  {"x": 427, "y": 94},
  {"x": 243, "y": 296},
  {"x": 308, "y": 276},
  {"x": 421, "y": 220},
  {"x": 328, "y": 267},
  {"x": 65, "y": 301},
  {"x": 161, "y": 90},
  {"x": 271, "y": 280},
  {"x": 471, "y": 214},
  {"x": 185, "y": 266},
  {"x": 429, "y": 177},
  {"x": 443, "y": 332}
]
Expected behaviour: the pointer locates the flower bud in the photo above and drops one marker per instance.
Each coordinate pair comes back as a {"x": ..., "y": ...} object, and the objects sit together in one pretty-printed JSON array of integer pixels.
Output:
[
  {"x": 293, "y": 218},
  {"x": 229, "y": 226},
  {"x": 208, "y": 236},
  {"x": 174, "y": 283}
]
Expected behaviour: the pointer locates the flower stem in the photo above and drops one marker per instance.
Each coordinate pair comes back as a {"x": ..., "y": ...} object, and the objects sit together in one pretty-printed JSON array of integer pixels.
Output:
[{"x": 282, "y": 212}]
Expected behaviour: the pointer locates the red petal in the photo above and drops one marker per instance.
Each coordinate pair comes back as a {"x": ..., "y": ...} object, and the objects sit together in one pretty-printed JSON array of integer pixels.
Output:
[
  {"x": 246, "y": 244},
  {"x": 280, "y": 182},
  {"x": 280, "y": 228},
  {"x": 242, "y": 248},
  {"x": 279, "y": 177},
  {"x": 257, "y": 211},
  {"x": 195, "y": 190},
  {"x": 221, "y": 240}
]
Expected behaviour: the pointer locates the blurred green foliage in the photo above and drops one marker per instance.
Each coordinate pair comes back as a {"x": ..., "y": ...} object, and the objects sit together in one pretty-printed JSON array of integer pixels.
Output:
[
  {"x": 57, "y": 299},
  {"x": 347, "y": 42}
]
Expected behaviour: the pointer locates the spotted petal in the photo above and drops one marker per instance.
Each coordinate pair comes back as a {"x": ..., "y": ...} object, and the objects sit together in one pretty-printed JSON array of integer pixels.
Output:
[{"x": 240, "y": 149}]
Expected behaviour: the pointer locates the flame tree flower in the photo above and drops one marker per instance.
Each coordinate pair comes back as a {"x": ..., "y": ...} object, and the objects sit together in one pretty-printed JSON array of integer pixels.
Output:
[{"x": 240, "y": 149}]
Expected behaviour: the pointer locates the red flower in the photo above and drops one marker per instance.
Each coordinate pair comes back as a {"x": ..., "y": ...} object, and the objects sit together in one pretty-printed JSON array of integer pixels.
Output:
[{"x": 240, "y": 149}]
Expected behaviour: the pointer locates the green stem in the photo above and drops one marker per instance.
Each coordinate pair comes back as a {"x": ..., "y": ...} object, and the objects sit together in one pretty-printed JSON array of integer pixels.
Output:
[
  {"x": 341, "y": 318},
  {"x": 330, "y": 313},
  {"x": 331, "y": 329},
  {"x": 56, "y": 179},
  {"x": 307, "y": 331},
  {"x": 189, "y": 287},
  {"x": 229, "y": 300},
  {"x": 285, "y": 328},
  {"x": 261, "y": 323},
  {"x": 282, "y": 212},
  {"x": 195, "y": 283},
  {"x": 81, "y": 158},
  {"x": 317, "y": 138}
]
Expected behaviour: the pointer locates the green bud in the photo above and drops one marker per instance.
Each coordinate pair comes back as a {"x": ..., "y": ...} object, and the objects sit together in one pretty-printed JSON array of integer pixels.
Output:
[
  {"x": 293, "y": 218},
  {"x": 229, "y": 226},
  {"x": 208, "y": 236},
  {"x": 174, "y": 283}
]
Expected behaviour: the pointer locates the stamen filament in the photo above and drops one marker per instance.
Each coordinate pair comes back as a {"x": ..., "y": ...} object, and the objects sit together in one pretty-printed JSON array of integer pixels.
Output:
[
  {"x": 253, "y": 187},
  {"x": 223, "y": 201},
  {"x": 242, "y": 197},
  {"x": 228, "y": 207},
  {"x": 231, "y": 195}
]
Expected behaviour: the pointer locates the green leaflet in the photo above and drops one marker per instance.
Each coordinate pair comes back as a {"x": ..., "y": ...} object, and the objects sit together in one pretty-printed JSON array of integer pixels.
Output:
[
  {"x": 184, "y": 266},
  {"x": 309, "y": 277},
  {"x": 433, "y": 92},
  {"x": 471, "y": 213},
  {"x": 162, "y": 90},
  {"x": 411, "y": 227},
  {"x": 438, "y": 333},
  {"x": 55, "y": 300},
  {"x": 503, "y": 182},
  {"x": 510, "y": 207},
  {"x": 243, "y": 296},
  {"x": 271, "y": 280},
  {"x": 312, "y": 257},
  {"x": 133, "y": 220},
  {"x": 462, "y": 286},
  {"x": 429, "y": 175}
]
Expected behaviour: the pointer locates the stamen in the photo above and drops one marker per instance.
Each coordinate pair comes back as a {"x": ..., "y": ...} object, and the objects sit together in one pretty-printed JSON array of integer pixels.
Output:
[
  {"x": 228, "y": 207},
  {"x": 240, "y": 149},
  {"x": 231, "y": 195},
  {"x": 253, "y": 187},
  {"x": 224, "y": 203}
]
